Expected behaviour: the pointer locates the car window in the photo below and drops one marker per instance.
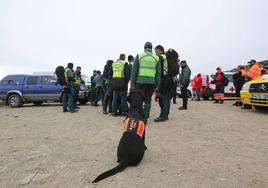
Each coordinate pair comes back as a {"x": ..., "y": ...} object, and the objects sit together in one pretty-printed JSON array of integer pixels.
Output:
[
  {"x": 32, "y": 80},
  {"x": 47, "y": 80},
  {"x": 10, "y": 82}
]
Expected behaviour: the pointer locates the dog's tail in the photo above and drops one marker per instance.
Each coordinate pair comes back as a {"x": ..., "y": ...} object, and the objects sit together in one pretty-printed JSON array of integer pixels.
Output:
[{"x": 111, "y": 172}]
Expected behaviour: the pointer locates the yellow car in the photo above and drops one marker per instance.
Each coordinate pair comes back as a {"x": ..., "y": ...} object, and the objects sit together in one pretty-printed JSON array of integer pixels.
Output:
[{"x": 255, "y": 92}]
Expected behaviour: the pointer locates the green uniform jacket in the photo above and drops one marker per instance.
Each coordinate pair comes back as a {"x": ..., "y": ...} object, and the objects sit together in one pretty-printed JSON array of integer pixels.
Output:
[
  {"x": 143, "y": 80},
  {"x": 185, "y": 75}
]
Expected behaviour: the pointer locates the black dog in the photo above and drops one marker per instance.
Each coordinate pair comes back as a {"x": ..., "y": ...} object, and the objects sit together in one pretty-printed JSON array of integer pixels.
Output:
[{"x": 131, "y": 147}]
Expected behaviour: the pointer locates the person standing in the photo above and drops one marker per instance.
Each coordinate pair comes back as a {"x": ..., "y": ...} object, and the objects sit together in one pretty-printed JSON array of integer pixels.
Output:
[
  {"x": 98, "y": 82},
  {"x": 165, "y": 87},
  {"x": 184, "y": 83},
  {"x": 254, "y": 70},
  {"x": 198, "y": 86},
  {"x": 107, "y": 76},
  {"x": 76, "y": 85},
  {"x": 68, "y": 93},
  {"x": 119, "y": 85},
  {"x": 145, "y": 75},
  {"x": 93, "y": 92},
  {"x": 239, "y": 80},
  {"x": 219, "y": 82}
]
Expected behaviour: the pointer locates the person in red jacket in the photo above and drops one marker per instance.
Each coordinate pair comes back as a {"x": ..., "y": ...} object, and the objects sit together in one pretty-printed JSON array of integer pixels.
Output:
[
  {"x": 193, "y": 84},
  {"x": 198, "y": 86},
  {"x": 219, "y": 83}
]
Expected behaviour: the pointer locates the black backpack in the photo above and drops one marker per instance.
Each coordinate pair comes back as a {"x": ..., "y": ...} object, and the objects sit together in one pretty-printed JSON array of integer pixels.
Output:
[
  {"x": 60, "y": 75},
  {"x": 172, "y": 59},
  {"x": 106, "y": 69}
]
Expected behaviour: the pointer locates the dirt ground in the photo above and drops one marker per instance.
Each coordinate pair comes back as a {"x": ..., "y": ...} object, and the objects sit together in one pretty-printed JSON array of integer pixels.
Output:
[{"x": 209, "y": 145}]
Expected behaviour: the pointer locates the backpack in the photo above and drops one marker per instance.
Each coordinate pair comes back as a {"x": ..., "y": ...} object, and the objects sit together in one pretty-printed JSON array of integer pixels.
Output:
[
  {"x": 106, "y": 70},
  {"x": 172, "y": 59},
  {"x": 59, "y": 71},
  {"x": 225, "y": 80}
]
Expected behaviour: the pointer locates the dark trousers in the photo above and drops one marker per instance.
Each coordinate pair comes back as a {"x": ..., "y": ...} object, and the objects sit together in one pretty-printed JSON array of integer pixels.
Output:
[
  {"x": 184, "y": 95},
  {"x": 174, "y": 93},
  {"x": 219, "y": 93},
  {"x": 68, "y": 99},
  {"x": 147, "y": 90},
  {"x": 98, "y": 95},
  {"x": 164, "y": 103},
  {"x": 93, "y": 94},
  {"x": 108, "y": 97},
  {"x": 76, "y": 92},
  {"x": 122, "y": 94}
]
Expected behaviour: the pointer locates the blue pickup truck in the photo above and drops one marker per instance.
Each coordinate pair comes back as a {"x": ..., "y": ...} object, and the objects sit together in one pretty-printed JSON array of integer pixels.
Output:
[{"x": 16, "y": 90}]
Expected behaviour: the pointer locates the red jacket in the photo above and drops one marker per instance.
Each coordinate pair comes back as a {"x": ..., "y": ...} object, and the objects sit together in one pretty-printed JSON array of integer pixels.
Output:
[{"x": 198, "y": 82}]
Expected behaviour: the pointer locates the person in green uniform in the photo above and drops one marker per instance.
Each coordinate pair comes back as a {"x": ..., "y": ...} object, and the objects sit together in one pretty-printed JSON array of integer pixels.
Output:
[
  {"x": 165, "y": 87},
  {"x": 68, "y": 93},
  {"x": 145, "y": 75},
  {"x": 119, "y": 85},
  {"x": 107, "y": 76},
  {"x": 76, "y": 85}
]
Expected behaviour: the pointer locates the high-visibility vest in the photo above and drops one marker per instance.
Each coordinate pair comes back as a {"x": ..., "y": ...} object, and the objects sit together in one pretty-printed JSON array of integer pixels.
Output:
[
  {"x": 254, "y": 72},
  {"x": 118, "y": 69},
  {"x": 134, "y": 125},
  {"x": 243, "y": 72},
  {"x": 147, "y": 64},
  {"x": 77, "y": 80},
  {"x": 165, "y": 64},
  {"x": 66, "y": 72}
]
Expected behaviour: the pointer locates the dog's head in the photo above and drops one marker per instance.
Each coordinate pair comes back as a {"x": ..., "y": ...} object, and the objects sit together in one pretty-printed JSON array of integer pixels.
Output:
[{"x": 135, "y": 99}]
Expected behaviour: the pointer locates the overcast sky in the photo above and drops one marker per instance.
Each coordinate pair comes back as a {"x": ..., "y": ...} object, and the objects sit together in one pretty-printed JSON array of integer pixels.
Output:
[{"x": 38, "y": 35}]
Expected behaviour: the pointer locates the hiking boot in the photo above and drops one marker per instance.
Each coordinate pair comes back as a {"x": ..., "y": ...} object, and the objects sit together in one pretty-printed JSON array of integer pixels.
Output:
[
  {"x": 114, "y": 114},
  {"x": 160, "y": 119},
  {"x": 182, "y": 108},
  {"x": 123, "y": 114},
  {"x": 73, "y": 111},
  {"x": 65, "y": 110},
  {"x": 105, "y": 112}
]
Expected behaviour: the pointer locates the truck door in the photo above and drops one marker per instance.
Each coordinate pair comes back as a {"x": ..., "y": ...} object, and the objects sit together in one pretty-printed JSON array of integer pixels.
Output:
[
  {"x": 31, "y": 88},
  {"x": 49, "y": 90}
]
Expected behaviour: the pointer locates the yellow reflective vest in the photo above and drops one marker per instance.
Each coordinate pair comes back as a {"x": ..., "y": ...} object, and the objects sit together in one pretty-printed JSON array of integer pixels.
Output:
[{"x": 147, "y": 64}]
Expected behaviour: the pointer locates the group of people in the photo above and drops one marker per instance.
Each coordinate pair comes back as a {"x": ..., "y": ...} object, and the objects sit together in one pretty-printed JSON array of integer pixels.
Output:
[
  {"x": 71, "y": 89},
  {"x": 240, "y": 77},
  {"x": 147, "y": 73}
]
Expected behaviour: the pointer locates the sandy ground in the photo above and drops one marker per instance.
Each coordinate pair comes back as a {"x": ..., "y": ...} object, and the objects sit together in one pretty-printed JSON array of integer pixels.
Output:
[{"x": 209, "y": 145}]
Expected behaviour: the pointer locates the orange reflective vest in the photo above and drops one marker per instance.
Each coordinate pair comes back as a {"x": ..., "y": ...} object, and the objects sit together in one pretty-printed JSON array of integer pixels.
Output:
[
  {"x": 254, "y": 72},
  {"x": 134, "y": 125}
]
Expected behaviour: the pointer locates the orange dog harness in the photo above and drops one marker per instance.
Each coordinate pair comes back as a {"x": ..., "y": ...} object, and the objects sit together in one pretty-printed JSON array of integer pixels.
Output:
[{"x": 134, "y": 125}]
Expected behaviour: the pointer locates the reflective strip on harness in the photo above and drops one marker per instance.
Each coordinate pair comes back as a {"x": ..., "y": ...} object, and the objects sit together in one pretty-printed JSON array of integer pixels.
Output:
[{"x": 134, "y": 125}]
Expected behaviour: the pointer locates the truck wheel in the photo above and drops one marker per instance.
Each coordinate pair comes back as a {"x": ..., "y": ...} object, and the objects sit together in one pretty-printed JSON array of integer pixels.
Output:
[
  {"x": 15, "y": 101},
  {"x": 82, "y": 101},
  {"x": 262, "y": 108},
  {"x": 38, "y": 103},
  {"x": 205, "y": 98}
]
